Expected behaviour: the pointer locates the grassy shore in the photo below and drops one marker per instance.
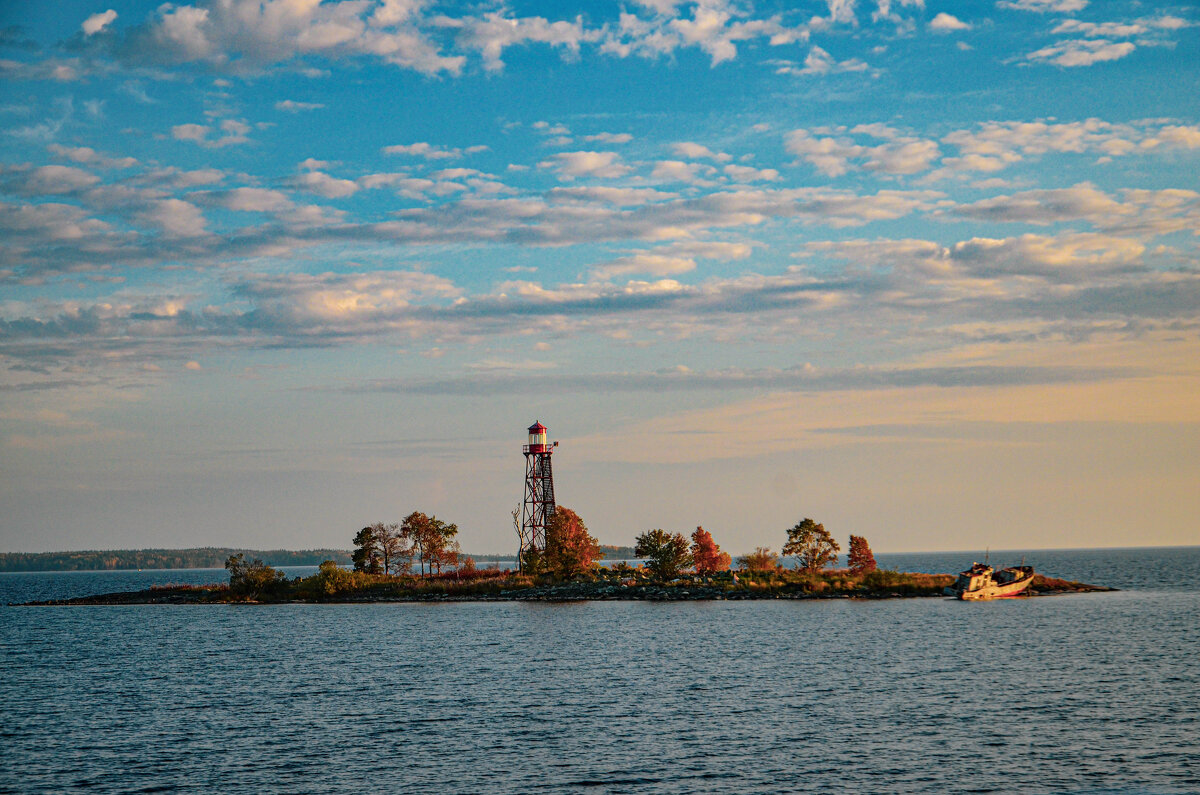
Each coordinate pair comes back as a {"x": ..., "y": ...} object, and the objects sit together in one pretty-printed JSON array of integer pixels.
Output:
[{"x": 341, "y": 585}]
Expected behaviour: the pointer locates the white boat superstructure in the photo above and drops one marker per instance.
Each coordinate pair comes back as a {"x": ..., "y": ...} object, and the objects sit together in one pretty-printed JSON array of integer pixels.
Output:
[{"x": 981, "y": 581}]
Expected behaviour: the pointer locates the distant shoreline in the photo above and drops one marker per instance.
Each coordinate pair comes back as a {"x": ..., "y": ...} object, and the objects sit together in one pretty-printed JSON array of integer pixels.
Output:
[
  {"x": 215, "y": 557},
  {"x": 206, "y": 558}
]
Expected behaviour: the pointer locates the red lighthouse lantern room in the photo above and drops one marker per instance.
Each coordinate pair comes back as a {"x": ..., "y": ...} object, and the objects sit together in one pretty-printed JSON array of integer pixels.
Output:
[{"x": 537, "y": 438}]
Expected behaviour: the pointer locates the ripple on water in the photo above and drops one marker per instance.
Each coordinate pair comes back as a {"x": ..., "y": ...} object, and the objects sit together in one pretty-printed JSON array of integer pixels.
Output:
[{"x": 1085, "y": 693}]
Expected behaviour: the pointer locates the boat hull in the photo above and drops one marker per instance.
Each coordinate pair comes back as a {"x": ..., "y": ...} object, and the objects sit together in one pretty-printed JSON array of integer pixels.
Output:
[
  {"x": 982, "y": 582},
  {"x": 1005, "y": 591}
]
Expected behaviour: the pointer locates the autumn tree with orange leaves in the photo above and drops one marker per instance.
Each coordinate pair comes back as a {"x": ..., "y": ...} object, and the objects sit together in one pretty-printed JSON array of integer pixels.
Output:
[
  {"x": 860, "y": 559},
  {"x": 570, "y": 548},
  {"x": 707, "y": 556}
]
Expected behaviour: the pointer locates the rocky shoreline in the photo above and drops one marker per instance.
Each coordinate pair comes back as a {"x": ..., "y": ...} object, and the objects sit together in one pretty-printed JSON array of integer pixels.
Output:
[{"x": 601, "y": 591}]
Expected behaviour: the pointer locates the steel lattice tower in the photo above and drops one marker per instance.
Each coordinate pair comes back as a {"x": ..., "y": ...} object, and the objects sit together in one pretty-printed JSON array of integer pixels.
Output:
[{"x": 538, "y": 506}]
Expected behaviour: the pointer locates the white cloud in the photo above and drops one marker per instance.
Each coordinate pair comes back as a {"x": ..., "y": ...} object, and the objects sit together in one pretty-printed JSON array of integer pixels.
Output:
[
  {"x": 177, "y": 178},
  {"x": 696, "y": 151},
  {"x": 98, "y": 22},
  {"x": 820, "y": 62},
  {"x": 621, "y": 197},
  {"x": 291, "y": 106},
  {"x": 422, "y": 149},
  {"x": 89, "y": 156},
  {"x": 1143, "y": 213},
  {"x": 609, "y": 138},
  {"x": 833, "y": 156},
  {"x": 679, "y": 171},
  {"x": 606, "y": 165},
  {"x": 325, "y": 185},
  {"x": 1117, "y": 30},
  {"x": 1048, "y": 206},
  {"x": 494, "y": 32},
  {"x": 1082, "y": 52},
  {"x": 671, "y": 260},
  {"x": 707, "y": 29},
  {"x": 261, "y": 200},
  {"x": 1178, "y": 135},
  {"x": 248, "y": 35},
  {"x": 349, "y": 303},
  {"x": 947, "y": 23},
  {"x": 647, "y": 263},
  {"x": 1070, "y": 257},
  {"x": 842, "y": 11},
  {"x": 394, "y": 12},
  {"x": 190, "y": 132},
  {"x": 994, "y": 145},
  {"x": 233, "y": 133},
  {"x": 51, "y": 181},
  {"x": 714, "y": 27},
  {"x": 748, "y": 174},
  {"x": 174, "y": 217},
  {"x": 1044, "y": 6}
]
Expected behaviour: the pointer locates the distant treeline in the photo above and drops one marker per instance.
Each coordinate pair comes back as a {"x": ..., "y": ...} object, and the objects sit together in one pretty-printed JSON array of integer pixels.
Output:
[
  {"x": 205, "y": 558},
  {"x": 201, "y": 558}
]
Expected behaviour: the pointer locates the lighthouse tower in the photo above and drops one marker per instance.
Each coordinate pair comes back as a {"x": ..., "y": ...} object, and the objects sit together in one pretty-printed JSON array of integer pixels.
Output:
[{"x": 538, "y": 506}]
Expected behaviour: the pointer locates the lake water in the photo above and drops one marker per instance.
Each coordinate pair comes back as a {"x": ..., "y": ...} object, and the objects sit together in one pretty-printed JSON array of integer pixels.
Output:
[{"x": 1087, "y": 693}]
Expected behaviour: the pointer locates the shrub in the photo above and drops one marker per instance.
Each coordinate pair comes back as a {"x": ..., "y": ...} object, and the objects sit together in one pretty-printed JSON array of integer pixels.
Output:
[
  {"x": 253, "y": 579},
  {"x": 761, "y": 559}
]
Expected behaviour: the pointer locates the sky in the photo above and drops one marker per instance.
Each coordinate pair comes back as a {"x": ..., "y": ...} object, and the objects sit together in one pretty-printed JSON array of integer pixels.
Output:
[{"x": 926, "y": 272}]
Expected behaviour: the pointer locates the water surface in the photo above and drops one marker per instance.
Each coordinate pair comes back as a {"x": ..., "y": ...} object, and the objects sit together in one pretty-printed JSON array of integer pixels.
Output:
[{"x": 1081, "y": 693}]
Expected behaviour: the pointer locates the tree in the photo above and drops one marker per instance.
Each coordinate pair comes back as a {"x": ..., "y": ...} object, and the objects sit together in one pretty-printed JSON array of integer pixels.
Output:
[
  {"x": 251, "y": 578},
  {"x": 419, "y": 531},
  {"x": 706, "y": 555},
  {"x": 811, "y": 545},
  {"x": 665, "y": 553},
  {"x": 444, "y": 548},
  {"x": 570, "y": 549},
  {"x": 761, "y": 559},
  {"x": 860, "y": 559},
  {"x": 431, "y": 538},
  {"x": 397, "y": 554},
  {"x": 448, "y": 555},
  {"x": 367, "y": 555},
  {"x": 533, "y": 562}
]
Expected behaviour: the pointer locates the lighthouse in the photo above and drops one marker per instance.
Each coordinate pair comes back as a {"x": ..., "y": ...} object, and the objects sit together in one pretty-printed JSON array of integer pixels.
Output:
[{"x": 538, "y": 506}]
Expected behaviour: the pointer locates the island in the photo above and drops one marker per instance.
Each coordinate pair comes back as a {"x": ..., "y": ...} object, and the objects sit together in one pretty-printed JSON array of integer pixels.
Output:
[
  {"x": 418, "y": 560},
  {"x": 335, "y": 584}
]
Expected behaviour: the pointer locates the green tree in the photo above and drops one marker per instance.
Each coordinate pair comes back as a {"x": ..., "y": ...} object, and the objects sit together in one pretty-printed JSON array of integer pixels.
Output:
[
  {"x": 432, "y": 539},
  {"x": 367, "y": 555},
  {"x": 394, "y": 548},
  {"x": 533, "y": 562},
  {"x": 570, "y": 549},
  {"x": 252, "y": 579},
  {"x": 812, "y": 545},
  {"x": 761, "y": 559},
  {"x": 860, "y": 559},
  {"x": 666, "y": 554}
]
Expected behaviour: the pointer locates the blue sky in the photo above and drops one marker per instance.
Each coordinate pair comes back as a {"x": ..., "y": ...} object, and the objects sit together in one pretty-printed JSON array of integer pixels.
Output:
[{"x": 927, "y": 272}]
